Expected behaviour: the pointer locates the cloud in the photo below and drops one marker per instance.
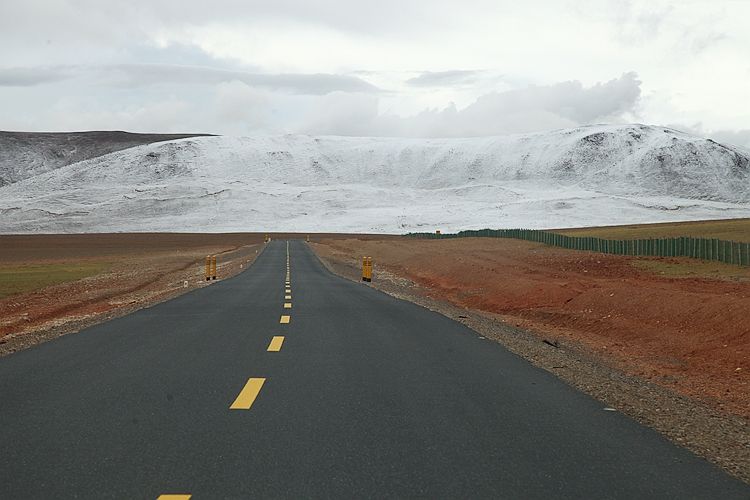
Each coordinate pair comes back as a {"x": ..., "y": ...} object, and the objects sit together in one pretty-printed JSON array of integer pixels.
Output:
[
  {"x": 314, "y": 84},
  {"x": 737, "y": 137},
  {"x": 443, "y": 78},
  {"x": 135, "y": 75},
  {"x": 565, "y": 104},
  {"x": 238, "y": 103},
  {"x": 27, "y": 77}
]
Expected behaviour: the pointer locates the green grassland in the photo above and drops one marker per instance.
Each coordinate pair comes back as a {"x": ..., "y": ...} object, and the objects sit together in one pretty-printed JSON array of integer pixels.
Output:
[
  {"x": 731, "y": 230},
  {"x": 25, "y": 278}
]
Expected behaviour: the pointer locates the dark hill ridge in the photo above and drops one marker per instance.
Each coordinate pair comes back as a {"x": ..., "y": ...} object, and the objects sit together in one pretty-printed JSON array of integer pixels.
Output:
[{"x": 26, "y": 154}]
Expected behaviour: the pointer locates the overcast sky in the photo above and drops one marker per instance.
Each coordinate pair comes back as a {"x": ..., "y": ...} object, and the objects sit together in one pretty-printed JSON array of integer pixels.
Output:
[{"x": 390, "y": 68}]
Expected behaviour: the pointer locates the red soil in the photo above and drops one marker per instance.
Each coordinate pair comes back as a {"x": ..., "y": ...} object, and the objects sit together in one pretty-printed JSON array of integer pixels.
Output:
[{"x": 690, "y": 334}]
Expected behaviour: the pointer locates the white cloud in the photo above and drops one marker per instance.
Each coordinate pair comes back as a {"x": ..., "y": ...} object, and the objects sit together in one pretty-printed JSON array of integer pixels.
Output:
[
  {"x": 531, "y": 109},
  {"x": 690, "y": 55}
]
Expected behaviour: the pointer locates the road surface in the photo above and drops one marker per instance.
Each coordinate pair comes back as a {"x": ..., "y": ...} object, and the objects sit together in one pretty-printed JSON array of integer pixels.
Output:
[{"x": 346, "y": 392}]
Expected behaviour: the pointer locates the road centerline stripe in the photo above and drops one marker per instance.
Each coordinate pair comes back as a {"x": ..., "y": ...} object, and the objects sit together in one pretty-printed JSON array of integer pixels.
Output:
[
  {"x": 284, "y": 319},
  {"x": 275, "y": 345},
  {"x": 287, "y": 297},
  {"x": 287, "y": 305},
  {"x": 174, "y": 496},
  {"x": 247, "y": 396}
]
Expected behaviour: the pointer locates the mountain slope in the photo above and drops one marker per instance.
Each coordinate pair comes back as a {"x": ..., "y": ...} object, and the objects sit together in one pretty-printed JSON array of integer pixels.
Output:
[
  {"x": 603, "y": 174},
  {"x": 26, "y": 154}
]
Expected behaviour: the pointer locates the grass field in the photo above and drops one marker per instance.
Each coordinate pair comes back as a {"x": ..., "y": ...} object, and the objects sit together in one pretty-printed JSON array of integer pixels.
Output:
[
  {"x": 732, "y": 230},
  {"x": 692, "y": 268},
  {"x": 25, "y": 278}
]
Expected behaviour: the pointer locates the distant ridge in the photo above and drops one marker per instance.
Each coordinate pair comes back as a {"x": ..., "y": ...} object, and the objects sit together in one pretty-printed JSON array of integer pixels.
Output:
[
  {"x": 25, "y": 154},
  {"x": 585, "y": 176}
]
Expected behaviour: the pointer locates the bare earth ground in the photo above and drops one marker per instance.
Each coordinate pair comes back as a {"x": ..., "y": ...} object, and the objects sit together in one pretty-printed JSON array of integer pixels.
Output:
[
  {"x": 645, "y": 336},
  {"x": 668, "y": 350},
  {"x": 139, "y": 270}
]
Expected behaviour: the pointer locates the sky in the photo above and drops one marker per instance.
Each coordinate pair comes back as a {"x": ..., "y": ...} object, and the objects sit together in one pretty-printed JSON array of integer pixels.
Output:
[{"x": 387, "y": 68}]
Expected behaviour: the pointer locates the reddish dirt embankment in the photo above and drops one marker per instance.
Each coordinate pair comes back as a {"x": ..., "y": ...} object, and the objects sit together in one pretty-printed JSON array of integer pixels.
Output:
[
  {"x": 139, "y": 270},
  {"x": 690, "y": 334}
]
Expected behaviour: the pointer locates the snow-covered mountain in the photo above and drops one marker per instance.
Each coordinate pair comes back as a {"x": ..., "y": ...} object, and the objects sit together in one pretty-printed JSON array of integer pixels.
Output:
[
  {"x": 595, "y": 175},
  {"x": 26, "y": 154}
]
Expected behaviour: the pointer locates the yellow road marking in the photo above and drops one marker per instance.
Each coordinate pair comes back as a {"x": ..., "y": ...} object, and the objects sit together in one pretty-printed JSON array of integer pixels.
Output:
[
  {"x": 287, "y": 297},
  {"x": 287, "y": 305},
  {"x": 248, "y": 394},
  {"x": 275, "y": 345},
  {"x": 285, "y": 319},
  {"x": 171, "y": 496}
]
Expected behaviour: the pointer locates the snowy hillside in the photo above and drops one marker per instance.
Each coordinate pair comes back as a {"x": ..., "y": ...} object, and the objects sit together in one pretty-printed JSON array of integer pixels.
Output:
[
  {"x": 596, "y": 175},
  {"x": 26, "y": 154}
]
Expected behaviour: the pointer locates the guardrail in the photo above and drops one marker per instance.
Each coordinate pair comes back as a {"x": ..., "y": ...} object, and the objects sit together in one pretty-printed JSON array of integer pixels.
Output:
[{"x": 728, "y": 252}]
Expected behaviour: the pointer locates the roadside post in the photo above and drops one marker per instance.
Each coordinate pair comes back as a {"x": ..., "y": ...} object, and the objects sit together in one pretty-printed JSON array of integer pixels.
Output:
[
  {"x": 367, "y": 269},
  {"x": 208, "y": 267},
  {"x": 213, "y": 267}
]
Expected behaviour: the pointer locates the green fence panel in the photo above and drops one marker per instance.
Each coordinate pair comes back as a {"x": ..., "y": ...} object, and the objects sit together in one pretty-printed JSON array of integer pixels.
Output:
[{"x": 712, "y": 249}]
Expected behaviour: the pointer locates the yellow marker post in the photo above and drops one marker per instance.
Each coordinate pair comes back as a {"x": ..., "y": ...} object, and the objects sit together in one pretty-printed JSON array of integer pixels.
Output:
[
  {"x": 208, "y": 267},
  {"x": 213, "y": 267},
  {"x": 247, "y": 396},
  {"x": 367, "y": 269},
  {"x": 275, "y": 345}
]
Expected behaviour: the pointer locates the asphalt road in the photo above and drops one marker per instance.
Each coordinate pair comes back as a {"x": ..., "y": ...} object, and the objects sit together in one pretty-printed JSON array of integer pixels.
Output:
[{"x": 365, "y": 396}]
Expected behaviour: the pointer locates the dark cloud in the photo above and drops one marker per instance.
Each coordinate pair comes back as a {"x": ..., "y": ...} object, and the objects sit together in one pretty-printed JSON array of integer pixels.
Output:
[
  {"x": 312, "y": 84},
  {"x": 443, "y": 78},
  {"x": 136, "y": 75},
  {"x": 27, "y": 77}
]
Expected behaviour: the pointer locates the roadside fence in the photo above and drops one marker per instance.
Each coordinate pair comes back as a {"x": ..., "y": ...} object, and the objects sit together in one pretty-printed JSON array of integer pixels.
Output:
[{"x": 711, "y": 249}]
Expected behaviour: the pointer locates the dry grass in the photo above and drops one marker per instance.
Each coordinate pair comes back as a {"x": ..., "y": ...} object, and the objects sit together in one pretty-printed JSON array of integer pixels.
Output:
[
  {"x": 691, "y": 268},
  {"x": 26, "y": 278},
  {"x": 732, "y": 230}
]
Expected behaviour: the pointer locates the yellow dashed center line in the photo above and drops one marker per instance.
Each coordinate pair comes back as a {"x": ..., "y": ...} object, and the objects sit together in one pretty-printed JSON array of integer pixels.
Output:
[
  {"x": 171, "y": 496},
  {"x": 285, "y": 319},
  {"x": 248, "y": 394},
  {"x": 275, "y": 345},
  {"x": 287, "y": 297},
  {"x": 287, "y": 305}
]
